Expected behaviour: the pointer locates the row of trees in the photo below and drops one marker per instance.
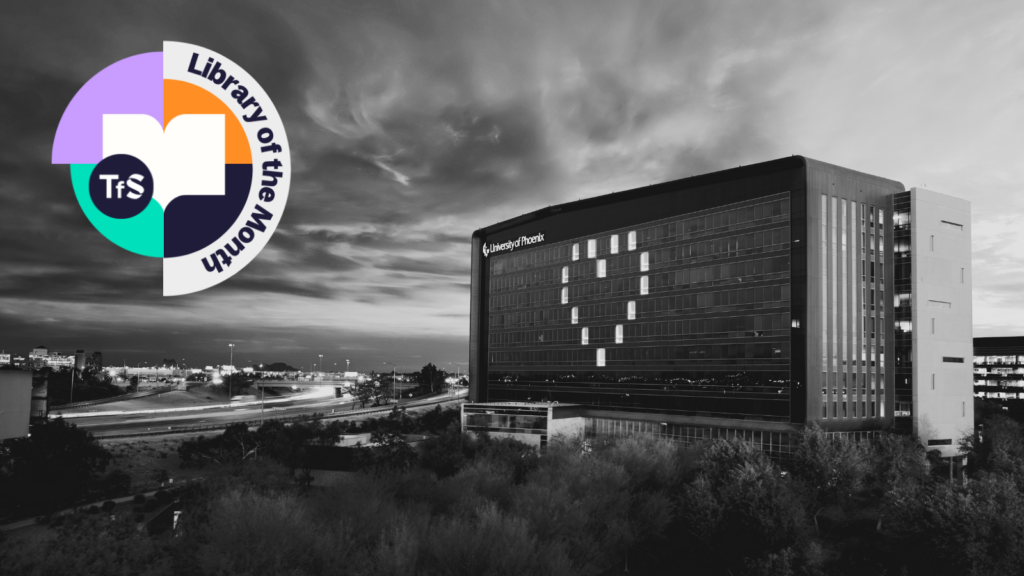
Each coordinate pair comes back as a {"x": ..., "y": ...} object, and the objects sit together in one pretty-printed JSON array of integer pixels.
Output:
[
  {"x": 476, "y": 505},
  {"x": 89, "y": 383}
]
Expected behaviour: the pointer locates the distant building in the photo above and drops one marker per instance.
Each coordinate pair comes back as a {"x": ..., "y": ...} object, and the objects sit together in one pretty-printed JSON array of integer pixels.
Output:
[
  {"x": 39, "y": 351},
  {"x": 96, "y": 360},
  {"x": 58, "y": 360},
  {"x": 15, "y": 403},
  {"x": 999, "y": 368},
  {"x": 5, "y": 359},
  {"x": 79, "y": 359}
]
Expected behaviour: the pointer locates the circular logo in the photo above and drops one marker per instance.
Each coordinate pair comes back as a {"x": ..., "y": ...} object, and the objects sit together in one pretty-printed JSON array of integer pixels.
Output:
[
  {"x": 178, "y": 155},
  {"x": 121, "y": 186}
]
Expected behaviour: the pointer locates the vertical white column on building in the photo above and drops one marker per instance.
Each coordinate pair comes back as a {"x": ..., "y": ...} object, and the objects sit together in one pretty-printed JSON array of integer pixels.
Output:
[
  {"x": 834, "y": 308},
  {"x": 940, "y": 409},
  {"x": 825, "y": 395},
  {"x": 841, "y": 279}
]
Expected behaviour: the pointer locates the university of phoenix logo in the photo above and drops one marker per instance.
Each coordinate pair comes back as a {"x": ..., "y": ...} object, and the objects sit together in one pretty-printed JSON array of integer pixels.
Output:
[
  {"x": 162, "y": 148},
  {"x": 510, "y": 245}
]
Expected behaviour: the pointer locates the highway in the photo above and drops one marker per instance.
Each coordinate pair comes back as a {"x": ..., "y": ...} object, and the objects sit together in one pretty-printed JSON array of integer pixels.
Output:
[{"x": 121, "y": 424}]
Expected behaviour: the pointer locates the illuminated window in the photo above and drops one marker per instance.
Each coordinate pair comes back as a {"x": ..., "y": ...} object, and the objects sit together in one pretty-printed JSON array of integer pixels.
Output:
[
  {"x": 575, "y": 314},
  {"x": 602, "y": 269},
  {"x": 575, "y": 252},
  {"x": 615, "y": 244},
  {"x": 645, "y": 261},
  {"x": 644, "y": 285},
  {"x": 600, "y": 356},
  {"x": 631, "y": 241},
  {"x": 591, "y": 248},
  {"x": 565, "y": 274},
  {"x": 618, "y": 333},
  {"x": 585, "y": 336},
  {"x": 565, "y": 295},
  {"x": 631, "y": 310}
]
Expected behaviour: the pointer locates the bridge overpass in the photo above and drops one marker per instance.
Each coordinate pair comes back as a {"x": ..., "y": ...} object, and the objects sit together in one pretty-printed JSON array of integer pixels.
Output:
[{"x": 326, "y": 382}]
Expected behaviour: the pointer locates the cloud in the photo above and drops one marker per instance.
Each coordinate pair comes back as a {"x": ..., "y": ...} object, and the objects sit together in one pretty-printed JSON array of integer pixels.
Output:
[{"x": 413, "y": 124}]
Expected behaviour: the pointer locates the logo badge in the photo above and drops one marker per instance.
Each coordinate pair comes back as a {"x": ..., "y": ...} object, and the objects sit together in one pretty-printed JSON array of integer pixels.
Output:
[{"x": 178, "y": 155}]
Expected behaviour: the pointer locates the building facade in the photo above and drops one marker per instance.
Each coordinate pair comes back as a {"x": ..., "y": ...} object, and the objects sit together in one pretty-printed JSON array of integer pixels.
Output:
[
  {"x": 746, "y": 303},
  {"x": 999, "y": 368}
]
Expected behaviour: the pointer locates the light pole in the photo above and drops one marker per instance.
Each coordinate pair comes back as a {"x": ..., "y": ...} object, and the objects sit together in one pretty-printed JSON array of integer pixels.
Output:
[
  {"x": 346, "y": 366},
  {"x": 71, "y": 398},
  {"x": 457, "y": 377},
  {"x": 263, "y": 397},
  {"x": 321, "y": 369},
  {"x": 231, "y": 367},
  {"x": 394, "y": 383},
  {"x": 138, "y": 375}
]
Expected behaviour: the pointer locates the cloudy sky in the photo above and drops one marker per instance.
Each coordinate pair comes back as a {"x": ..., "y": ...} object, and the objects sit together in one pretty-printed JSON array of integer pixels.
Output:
[{"x": 413, "y": 123}]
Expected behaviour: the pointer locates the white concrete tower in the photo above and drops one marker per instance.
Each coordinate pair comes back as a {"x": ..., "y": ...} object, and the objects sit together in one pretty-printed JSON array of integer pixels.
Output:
[{"x": 943, "y": 387}]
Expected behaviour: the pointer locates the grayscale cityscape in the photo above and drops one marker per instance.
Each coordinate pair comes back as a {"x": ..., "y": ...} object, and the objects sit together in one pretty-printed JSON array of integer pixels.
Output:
[{"x": 499, "y": 288}]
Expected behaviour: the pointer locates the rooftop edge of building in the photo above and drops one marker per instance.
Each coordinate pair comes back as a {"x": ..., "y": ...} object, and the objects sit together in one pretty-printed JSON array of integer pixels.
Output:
[{"x": 730, "y": 174}]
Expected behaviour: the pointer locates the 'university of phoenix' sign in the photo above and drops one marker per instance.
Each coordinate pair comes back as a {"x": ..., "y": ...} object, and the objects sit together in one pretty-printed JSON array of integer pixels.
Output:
[{"x": 510, "y": 245}]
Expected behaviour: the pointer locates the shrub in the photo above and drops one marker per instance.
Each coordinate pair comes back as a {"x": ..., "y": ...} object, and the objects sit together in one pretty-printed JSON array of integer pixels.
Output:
[
  {"x": 139, "y": 499},
  {"x": 139, "y": 517},
  {"x": 150, "y": 505},
  {"x": 162, "y": 496},
  {"x": 109, "y": 505},
  {"x": 117, "y": 482}
]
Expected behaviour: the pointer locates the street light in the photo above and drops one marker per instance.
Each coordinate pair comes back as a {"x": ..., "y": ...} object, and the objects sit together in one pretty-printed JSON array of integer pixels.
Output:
[
  {"x": 138, "y": 375},
  {"x": 394, "y": 383},
  {"x": 321, "y": 369},
  {"x": 231, "y": 365},
  {"x": 457, "y": 376},
  {"x": 263, "y": 397}
]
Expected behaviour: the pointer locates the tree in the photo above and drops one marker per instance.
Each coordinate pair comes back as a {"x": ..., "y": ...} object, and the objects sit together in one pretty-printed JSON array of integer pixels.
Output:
[
  {"x": 430, "y": 376},
  {"x": 55, "y": 466},
  {"x": 91, "y": 544},
  {"x": 387, "y": 454},
  {"x": 831, "y": 467},
  {"x": 944, "y": 528},
  {"x": 362, "y": 389},
  {"x": 741, "y": 510},
  {"x": 896, "y": 460},
  {"x": 380, "y": 389},
  {"x": 999, "y": 447},
  {"x": 236, "y": 445},
  {"x": 449, "y": 451}
]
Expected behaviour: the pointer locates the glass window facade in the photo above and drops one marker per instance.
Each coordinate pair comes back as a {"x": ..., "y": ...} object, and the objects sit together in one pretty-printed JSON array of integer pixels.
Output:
[
  {"x": 902, "y": 311},
  {"x": 704, "y": 330}
]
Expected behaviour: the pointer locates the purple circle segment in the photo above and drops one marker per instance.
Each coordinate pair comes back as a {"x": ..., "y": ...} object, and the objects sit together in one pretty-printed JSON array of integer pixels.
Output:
[{"x": 134, "y": 85}]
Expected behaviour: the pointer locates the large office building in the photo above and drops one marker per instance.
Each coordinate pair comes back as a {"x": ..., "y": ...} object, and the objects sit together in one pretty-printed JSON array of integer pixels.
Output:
[
  {"x": 744, "y": 303},
  {"x": 999, "y": 368}
]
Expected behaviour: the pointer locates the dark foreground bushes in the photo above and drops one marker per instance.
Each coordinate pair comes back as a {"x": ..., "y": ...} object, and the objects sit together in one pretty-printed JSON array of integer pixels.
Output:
[{"x": 472, "y": 506}]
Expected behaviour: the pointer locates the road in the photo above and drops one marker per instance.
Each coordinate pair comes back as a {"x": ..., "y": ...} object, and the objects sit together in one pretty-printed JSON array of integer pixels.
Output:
[{"x": 114, "y": 425}]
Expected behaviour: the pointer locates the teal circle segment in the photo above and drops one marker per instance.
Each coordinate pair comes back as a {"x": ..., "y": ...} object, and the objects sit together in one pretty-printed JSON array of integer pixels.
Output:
[{"x": 142, "y": 234}]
